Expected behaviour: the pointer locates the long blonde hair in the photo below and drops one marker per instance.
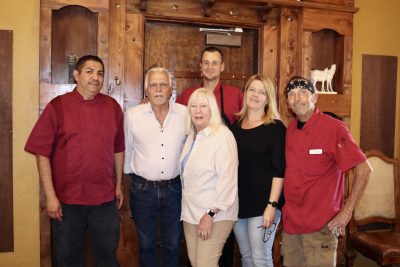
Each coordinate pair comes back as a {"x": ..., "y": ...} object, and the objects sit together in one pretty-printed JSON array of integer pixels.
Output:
[
  {"x": 215, "y": 119},
  {"x": 270, "y": 109}
]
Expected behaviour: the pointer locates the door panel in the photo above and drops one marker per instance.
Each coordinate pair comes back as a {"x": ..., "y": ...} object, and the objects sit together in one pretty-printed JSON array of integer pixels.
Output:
[{"x": 178, "y": 47}]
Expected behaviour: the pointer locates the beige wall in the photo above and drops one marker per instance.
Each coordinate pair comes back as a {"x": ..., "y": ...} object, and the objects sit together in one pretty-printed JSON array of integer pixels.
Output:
[
  {"x": 375, "y": 32},
  {"x": 22, "y": 17}
]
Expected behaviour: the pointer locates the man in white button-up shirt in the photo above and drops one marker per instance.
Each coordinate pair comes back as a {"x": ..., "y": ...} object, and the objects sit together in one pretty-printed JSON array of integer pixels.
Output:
[{"x": 155, "y": 134}]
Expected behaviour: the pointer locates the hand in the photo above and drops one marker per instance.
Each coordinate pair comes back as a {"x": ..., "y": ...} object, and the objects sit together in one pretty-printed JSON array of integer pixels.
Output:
[
  {"x": 120, "y": 196},
  {"x": 340, "y": 221},
  {"x": 54, "y": 209},
  {"x": 269, "y": 216},
  {"x": 205, "y": 226}
]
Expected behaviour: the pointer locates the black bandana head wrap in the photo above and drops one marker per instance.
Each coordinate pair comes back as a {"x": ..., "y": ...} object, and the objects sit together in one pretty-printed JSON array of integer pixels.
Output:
[{"x": 299, "y": 82}]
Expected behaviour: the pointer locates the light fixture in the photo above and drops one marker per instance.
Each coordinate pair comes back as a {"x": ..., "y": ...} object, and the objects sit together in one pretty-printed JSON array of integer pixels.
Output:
[{"x": 234, "y": 30}]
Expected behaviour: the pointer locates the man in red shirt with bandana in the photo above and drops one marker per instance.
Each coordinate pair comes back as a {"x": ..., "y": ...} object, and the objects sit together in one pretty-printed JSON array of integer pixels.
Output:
[{"x": 319, "y": 151}]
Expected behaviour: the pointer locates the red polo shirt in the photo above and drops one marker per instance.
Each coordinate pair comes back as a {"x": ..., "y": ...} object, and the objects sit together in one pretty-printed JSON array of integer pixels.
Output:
[
  {"x": 233, "y": 99},
  {"x": 80, "y": 137},
  {"x": 317, "y": 157}
]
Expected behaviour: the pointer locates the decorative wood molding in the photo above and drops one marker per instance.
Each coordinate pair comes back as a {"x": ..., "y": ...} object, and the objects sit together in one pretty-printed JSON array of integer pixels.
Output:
[
  {"x": 224, "y": 75},
  {"x": 264, "y": 11},
  {"x": 143, "y": 5},
  {"x": 207, "y": 6},
  {"x": 299, "y": 4}
]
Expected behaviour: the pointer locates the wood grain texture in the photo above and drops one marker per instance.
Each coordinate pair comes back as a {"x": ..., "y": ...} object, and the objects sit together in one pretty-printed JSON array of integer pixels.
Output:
[
  {"x": 6, "y": 142},
  {"x": 193, "y": 11},
  {"x": 93, "y": 5},
  {"x": 178, "y": 47},
  {"x": 290, "y": 49},
  {"x": 74, "y": 31},
  {"x": 134, "y": 57},
  {"x": 116, "y": 49},
  {"x": 269, "y": 42},
  {"x": 378, "y": 105},
  {"x": 45, "y": 45},
  {"x": 338, "y": 104},
  {"x": 316, "y": 20}
]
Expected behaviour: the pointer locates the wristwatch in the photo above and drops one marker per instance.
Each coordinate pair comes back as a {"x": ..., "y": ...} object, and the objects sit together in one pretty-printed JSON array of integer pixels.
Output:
[
  {"x": 274, "y": 204},
  {"x": 211, "y": 213}
]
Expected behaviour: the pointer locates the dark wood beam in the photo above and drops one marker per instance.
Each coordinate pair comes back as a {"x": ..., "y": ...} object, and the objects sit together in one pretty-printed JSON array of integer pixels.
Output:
[
  {"x": 265, "y": 10},
  {"x": 291, "y": 3},
  {"x": 207, "y": 6},
  {"x": 143, "y": 5}
]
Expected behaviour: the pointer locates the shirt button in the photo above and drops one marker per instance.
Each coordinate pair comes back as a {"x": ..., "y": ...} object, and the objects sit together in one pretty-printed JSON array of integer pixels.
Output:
[
  {"x": 162, "y": 144},
  {"x": 162, "y": 172},
  {"x": 162, "y": 158}
]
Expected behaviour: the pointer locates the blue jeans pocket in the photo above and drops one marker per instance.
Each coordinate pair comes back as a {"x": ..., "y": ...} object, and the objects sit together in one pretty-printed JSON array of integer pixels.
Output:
[{"x": 175, "y": 187}]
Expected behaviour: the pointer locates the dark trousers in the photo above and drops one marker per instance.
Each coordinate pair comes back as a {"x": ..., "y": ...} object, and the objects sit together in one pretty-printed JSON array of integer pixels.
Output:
[
  {"x": 148, "y": 202},
  {"x": 101, "y": 221}
]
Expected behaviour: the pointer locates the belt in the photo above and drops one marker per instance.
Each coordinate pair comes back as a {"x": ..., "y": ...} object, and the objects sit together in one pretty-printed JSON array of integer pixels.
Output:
[{"x": 159, "y": 183}]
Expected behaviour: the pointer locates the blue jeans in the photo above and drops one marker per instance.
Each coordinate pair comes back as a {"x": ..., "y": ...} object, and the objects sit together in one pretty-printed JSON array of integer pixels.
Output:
[
  {"x": 255, "y": 252},
  {"x": 147, "y": 203},
  {"x": 101, "y": 221}
]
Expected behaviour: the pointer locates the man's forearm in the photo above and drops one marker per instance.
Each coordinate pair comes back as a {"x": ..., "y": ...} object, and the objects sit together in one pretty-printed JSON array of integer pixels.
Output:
[
  {"x": 361, "y": 175},
  {"x": 119, "y": 165},
  {"x": 44, "y": 168}
]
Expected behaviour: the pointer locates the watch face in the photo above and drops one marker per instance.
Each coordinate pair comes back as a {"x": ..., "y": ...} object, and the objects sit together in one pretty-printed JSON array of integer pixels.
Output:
[
  {"x": 211, "y": 213},
  {"x": 273, "y": 204}
]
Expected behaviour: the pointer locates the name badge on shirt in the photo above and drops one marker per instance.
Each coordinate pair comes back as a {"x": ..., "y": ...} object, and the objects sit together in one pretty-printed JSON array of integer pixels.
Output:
[{"x": 315, "y": 151}]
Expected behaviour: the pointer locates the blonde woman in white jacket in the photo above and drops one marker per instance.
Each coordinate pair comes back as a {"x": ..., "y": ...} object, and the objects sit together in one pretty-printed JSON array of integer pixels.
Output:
[{"x": 209, "y": 165}]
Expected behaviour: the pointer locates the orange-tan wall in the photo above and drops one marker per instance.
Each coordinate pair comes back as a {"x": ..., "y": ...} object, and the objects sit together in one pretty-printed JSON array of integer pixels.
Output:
[
  {"x": 22, "y": 17},
  {"x": 376, "y": 32}
]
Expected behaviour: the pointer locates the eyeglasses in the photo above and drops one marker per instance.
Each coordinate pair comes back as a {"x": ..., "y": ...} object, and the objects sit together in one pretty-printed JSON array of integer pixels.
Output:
[{"x": 268, "y": 231}]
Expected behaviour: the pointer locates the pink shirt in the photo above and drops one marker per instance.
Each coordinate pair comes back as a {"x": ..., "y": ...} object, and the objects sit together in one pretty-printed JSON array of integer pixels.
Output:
[
  {"x": 233, "y": 99},
  {"x": 80, "y": 137},
  {"x": 317, "y": 158}
]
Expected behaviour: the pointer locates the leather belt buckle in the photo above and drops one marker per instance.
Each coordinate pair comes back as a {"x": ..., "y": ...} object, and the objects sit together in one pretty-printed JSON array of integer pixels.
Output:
[{"x": 162, "y": 183}]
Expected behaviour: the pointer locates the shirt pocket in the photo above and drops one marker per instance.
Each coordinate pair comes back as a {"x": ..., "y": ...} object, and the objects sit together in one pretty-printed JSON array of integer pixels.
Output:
[{"x": 316, "y": 164}]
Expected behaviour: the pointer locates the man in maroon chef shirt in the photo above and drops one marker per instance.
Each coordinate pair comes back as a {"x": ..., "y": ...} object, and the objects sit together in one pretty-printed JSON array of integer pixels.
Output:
[
  {"x": 319, "y": 150},
  {"x": 229, "y": 98},
  {"x": 79, "y": 145}
]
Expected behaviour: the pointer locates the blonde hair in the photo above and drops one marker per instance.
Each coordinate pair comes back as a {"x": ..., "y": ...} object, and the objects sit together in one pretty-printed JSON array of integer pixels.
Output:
[
  {"x": 215, "y": 119},
  {"x": 157, "y": 69},
  {"x": 270, "y": 109}
]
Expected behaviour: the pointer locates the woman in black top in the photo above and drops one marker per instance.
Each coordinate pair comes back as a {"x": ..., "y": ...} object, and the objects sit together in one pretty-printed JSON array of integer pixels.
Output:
[{"x": 260, "y": 137}]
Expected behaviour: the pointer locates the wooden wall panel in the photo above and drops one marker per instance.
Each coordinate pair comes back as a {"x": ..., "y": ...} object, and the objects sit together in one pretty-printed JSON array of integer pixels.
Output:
[
  {"x": 134, "y": 57},
  {"x": 178, "y": 47},
  {"x": 73, "y": 33},
  {"x": 316, "y": 20},
  {"x": 349, "y": 3},
  {"x": 378, "y": 106},
  {"x": 290, "y": 50},
  {"x": 116, "y": 42},
  {"x": 192, "y": 11},
  {"x": 269, "y": 43},
  {"x": 6, "y": 171}
]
